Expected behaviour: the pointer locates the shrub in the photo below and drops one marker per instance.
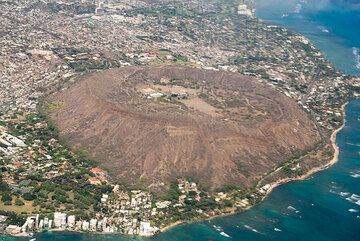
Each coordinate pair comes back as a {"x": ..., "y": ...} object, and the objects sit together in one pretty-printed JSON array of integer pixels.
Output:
[
  {"x": 18, "y": 202},
  {"x": 28, "y": 196},
  {"x": 3, "y": 185},
  {"x": 6, "y": 197}
]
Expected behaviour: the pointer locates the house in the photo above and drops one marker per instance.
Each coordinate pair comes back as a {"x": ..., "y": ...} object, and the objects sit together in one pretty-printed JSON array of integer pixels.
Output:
[
  {"x": 13, "y": 229},
  {"x": 100, "y": 174},
  {"x": 97, "y": 171},
  {"x": 94, "y": 181}
]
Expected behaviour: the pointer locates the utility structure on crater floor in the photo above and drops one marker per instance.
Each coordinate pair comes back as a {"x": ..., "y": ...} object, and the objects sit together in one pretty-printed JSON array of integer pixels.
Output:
[{"x": 100, "y": 6}]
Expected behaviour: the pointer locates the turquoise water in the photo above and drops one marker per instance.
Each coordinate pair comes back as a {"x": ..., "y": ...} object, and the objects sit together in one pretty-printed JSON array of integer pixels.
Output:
[
  {"x": 333, "y": 25},
  {"x": 322, "y": 207}
]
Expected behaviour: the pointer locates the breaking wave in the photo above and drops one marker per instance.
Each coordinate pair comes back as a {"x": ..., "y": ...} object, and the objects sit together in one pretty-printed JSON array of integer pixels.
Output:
[
  {"x": 252, "y": 229},
  {"x": 344, "y": 194},
  {"x": 353, "y": 144},
  {"x": 353, "y": 210},
  {"x": 221, "y": 231},
  {"x": 355, "y": 174},
  {"x": 354, "y": 199},
  {"x": 323, "y": 29},
  {"x": 298, "y": 8},
  {"x": 217, "y": 228},
  {"x": 356, "y": 52},
  {"x": 291, "y": 208},
  {"x": 225, "y": 234}
]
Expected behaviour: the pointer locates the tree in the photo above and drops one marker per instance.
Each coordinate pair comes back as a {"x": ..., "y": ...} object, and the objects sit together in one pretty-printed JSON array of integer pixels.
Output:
[
  {"x": 18, "y": 202},
  {"x": 28, "y": 197},
  {"x": 192, "y": 193},
  {"x": 174, "y": 191},
  {"x": 61, "y": 198},
  {"x": 13, "y": 218},
  {"x": 48, "y": 186},
  {"x": 6, "y": 197},
  {"x": 227, "y": 203},
  {"x": 3, "y": 185}
]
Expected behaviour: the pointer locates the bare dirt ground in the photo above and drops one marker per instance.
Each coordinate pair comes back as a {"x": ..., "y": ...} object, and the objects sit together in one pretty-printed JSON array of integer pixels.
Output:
[
  {"x": 201, "y": 105},
  {"x": 228, "y": 129}
]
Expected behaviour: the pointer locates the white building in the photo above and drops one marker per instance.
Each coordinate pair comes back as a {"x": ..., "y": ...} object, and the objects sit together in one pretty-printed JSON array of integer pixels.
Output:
[
  {"x": 50, "y": 223},
  {"x": 41, "y": 224},
  {"x": 71, "y": 221},
  {"x": 100, "y": 225},
  {"x": 146, "y": 229},
  {"x": 29, "y": 224},
  {"x": 46, "y": 222},
  {"x": 85, "y": 226},
  {"x": 93, "y": 222},
  {"x": 37, "y": 221},
  {"x": 59, "y": 220},
  {"x": 5, "y": 137},
  {"x": 78, "y": 225},
  {"x": 104, "y": 224},
  {"x": 163, "y": 204},
  {"x": 244, "y": 10}
]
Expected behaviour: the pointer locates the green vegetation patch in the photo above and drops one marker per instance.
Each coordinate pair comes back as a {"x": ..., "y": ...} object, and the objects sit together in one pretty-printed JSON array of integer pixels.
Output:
[{"x": 55, "y": 105}]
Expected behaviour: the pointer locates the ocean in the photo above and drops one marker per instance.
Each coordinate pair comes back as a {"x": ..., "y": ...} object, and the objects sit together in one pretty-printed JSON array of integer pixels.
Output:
[
  {"x": 332, "y": 25},
  {"x": 323, "y": 207}
]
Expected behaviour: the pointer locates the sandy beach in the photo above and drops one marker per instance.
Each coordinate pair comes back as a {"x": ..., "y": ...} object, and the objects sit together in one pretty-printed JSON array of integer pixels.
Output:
[{"x": 171, "y": 225}]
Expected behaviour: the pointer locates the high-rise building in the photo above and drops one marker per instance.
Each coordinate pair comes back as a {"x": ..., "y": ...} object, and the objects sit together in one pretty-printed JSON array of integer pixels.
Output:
[
  {"x": 85, "y": 225},
  {"x": 50, "y": 223},
  {"x": 41, "y": 224},
  {"x": 60, "y": 220},
  {"x": 93, "y": 222},
  {"x": 104, "y": 223},
  {"x": 71, "y": 221},
  {"x": 46, "y": 222},
  {"x": 37, "y": 221}
]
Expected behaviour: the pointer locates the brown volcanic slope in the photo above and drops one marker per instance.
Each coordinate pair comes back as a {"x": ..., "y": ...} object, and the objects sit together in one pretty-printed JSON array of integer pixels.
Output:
[{"x": 231, "y": 130}]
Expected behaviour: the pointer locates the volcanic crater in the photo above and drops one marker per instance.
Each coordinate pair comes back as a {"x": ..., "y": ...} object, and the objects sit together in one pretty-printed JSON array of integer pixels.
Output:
[{"x": 155, "y": 124}]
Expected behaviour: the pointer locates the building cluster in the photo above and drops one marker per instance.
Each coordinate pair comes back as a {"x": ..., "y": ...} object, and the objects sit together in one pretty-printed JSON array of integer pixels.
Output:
[
  {"x": 100, "y": 176},
  {"x": 167, "y": 95},
  {"x": 131, "y": 213},
  {"x": 64, "y": 222},
  {"x": 26, "y": 149},
  {"x": 244, "y": 9},
  {"x": 68, "y": 43},
  {"x": 189, "y": 191}
]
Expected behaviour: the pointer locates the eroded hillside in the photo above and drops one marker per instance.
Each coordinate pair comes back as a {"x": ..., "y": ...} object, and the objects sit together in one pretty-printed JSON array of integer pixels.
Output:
[{"x": 157, "y": 123}]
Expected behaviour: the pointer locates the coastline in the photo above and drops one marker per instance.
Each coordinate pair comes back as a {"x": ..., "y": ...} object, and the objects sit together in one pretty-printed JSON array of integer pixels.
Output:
[
  {"x": 312, "y": 171},
  {"x": 269, "y": 190},
  {"x": 315, "y": 169},
  {"x": 170, "y": 226}
]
